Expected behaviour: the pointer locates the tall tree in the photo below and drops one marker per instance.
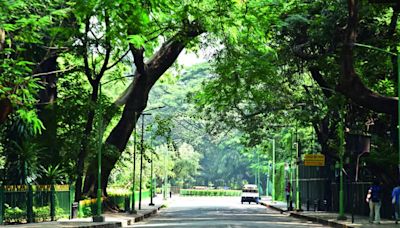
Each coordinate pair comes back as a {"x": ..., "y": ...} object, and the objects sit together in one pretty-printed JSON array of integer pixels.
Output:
[{"x": 190, "y": 20}]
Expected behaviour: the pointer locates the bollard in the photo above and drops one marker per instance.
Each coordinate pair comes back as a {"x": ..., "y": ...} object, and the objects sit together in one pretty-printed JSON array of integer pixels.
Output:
[
  {"x": 1, "y": 204},
  {"x": 316, "y": 205},
  {"x": 290, "y": 205},
  {"x": 325, "y": 203},
  {"x": 29, "y": 204},
  {"x": 127, "y": 203},
  {"x": 71, "y": 201},
  {"x": 52, "y": 202},
  {"x": 74, "y": 210},
  {"x": 308, "y": 204}
]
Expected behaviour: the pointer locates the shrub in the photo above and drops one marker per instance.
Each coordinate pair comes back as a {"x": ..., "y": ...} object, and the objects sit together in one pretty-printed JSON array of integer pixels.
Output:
[
  {"x": 41, "y": 213},
  {"x": 209, "y": 192},
  {"x": 13, "y": 214}
]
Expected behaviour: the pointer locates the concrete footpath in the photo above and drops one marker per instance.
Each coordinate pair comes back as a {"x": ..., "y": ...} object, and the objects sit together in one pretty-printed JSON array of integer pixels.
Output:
[
  {"x": 326, "y": 218},
  {"x": 112, "y": 220}
]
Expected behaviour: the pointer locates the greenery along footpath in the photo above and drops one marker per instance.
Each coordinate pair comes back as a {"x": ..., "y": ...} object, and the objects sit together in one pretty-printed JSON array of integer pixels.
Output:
[
  {"x": 15, "y": 203},
  {"x": 88, "y": 207},
  {"x": 209, "y": 192}
]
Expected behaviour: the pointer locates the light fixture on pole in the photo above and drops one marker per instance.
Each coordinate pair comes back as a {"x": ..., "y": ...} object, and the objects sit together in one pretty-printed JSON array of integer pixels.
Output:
[
  {"x": 141, "y": 155},
  {"x": 141, "y": 162}
]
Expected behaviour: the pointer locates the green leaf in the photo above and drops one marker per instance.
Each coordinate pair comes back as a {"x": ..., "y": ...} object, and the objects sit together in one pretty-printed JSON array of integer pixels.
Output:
[{"x": 137, "y": 40}]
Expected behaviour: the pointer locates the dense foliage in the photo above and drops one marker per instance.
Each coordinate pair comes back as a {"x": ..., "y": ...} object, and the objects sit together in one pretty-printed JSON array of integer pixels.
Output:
[{"x": 75, "y": 77}]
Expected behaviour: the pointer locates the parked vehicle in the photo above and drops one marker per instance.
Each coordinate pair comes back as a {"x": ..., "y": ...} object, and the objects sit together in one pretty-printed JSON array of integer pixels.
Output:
[{"x": 250, "y": 193}]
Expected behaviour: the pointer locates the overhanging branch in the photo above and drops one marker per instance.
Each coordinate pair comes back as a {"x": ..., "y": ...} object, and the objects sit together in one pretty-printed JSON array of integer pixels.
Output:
[{"x": 350, "y": 83}]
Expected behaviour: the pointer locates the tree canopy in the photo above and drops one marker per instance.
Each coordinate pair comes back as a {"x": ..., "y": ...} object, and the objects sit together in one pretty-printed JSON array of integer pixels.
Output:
[{"x": 73, "y": 72}]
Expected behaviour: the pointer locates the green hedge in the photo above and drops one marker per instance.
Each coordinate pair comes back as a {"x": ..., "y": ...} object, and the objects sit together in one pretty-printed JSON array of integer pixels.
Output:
[
  {"x": 209, "y": 192},
  {"x": 88, "y": 207}
]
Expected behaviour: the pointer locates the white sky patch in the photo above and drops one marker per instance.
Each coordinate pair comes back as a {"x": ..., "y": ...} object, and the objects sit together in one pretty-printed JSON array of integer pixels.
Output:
[{"x": 189, "y": 58}]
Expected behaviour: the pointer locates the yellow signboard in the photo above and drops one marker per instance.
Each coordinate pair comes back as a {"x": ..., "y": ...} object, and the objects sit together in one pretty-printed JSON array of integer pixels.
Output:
[{"x": 314, "y": 160}]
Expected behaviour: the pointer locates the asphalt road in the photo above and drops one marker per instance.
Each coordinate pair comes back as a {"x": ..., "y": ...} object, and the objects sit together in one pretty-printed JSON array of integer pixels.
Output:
[{"x": 219, "y": 212}]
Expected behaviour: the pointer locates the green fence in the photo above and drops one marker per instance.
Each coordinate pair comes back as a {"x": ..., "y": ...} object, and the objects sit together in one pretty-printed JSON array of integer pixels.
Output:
[
  {"x": 209, "y": 192},
  {"x": 23, "y": 203}
]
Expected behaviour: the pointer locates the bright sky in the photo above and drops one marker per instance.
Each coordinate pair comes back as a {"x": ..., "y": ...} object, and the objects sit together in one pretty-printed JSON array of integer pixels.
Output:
[{"x": 189, "y": 59}]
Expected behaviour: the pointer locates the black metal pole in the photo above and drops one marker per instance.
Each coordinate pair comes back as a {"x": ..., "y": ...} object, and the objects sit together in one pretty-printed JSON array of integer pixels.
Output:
[
  {"x": 133, "y": 211},
  {"x": 151, "y": 184},
  {"x": 141, "y": 165}
]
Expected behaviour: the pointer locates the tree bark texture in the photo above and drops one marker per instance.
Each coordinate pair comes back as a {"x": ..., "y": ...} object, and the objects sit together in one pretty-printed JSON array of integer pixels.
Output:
[
  {"x": 5, "y": 109},
  {"x": 80, "y": 162},
  {"x": 47, "y": 110}
]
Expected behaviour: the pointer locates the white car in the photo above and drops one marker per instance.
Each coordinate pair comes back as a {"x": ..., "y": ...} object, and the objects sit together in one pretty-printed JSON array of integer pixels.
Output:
[{"x": 250, "y": 193}]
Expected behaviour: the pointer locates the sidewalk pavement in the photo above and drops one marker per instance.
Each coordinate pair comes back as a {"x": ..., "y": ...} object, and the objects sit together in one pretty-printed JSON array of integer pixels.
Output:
[
  {"x": 326, "y": 218},
  {"x": 112, "y": 220}
]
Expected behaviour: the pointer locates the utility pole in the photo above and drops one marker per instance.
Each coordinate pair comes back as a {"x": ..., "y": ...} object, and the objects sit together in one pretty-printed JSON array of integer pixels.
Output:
[
  {"x": 273, "y": 169},
  {"x": 151, "y": 182},
  {"x": 165, "y": 175},
  {"x": 258, "y": 174},
  {"x": 341, "y": 154},
  {"x": 141, "y": 165},
  {"x": 98, "y": 217},
  {"x": 398, "y": 111},
  {"x": 298, "y": 201}
]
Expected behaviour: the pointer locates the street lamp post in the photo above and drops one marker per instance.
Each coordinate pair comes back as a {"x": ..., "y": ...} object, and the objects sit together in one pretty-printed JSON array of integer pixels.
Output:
[
  {"x": 267, "y": 184},
  {"x": 273, "y": 169},
  {"x": 98, "y": 217},
  {"x": 398, "y": 110},
  {"x": 165, "y": 176},
  {"x": 133, "y": 211},
  {"x": 151, "y": 182},
  {"x": 298, "y": 159},
  {"x": 298, "y": 201},
  {"x": 258, "y": 174},
  {"x": 291, "y": 187},
  {"x": 141, "y": 162},
  {"x": 141, "y": 156},
  {"x": 341, "y": 154}
]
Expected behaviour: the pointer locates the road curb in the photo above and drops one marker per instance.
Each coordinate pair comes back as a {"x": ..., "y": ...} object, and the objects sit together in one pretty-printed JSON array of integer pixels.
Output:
[
  {"x": 121, "y": 220},
  {"x": 90, "y": 225},
  {"x": 298, "y": 215},
  {"x": 273, "y": 207},
  {"x": 147, "y": 214}
]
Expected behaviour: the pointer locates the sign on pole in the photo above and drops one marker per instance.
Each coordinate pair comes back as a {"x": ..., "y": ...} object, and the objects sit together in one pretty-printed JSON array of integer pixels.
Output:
[{"x": 314, "y": 160}]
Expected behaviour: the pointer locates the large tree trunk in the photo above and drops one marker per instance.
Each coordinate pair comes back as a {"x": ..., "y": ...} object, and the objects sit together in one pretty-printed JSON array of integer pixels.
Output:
[
  {"x": 350, "y": 83},
  {"x": 47, "y": 110},
  {"x": 80, "y": 162},
  {"x": 146, "y": 76}
]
